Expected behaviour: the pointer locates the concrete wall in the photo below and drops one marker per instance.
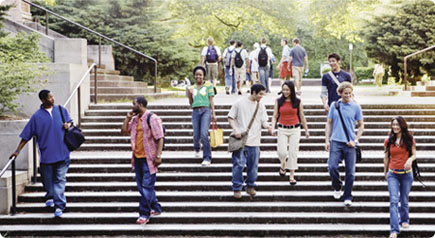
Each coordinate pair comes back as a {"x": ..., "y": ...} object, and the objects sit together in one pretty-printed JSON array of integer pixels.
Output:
[
  {"x": 20, "y": 12},
  {"x": 106, "y": 55},
  {"x": 6, "y": 189}
]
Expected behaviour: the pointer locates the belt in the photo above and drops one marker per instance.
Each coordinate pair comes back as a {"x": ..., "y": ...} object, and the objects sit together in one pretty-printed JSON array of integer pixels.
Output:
[
  {"x": 400, "y": 172},
  {"x": 289, "y": 127},
  {"x": 195, "y": 108}
]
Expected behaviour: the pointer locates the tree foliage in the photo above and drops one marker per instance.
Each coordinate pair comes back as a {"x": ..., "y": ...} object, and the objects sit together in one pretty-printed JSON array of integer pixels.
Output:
[{"x": 411, "y": 28}]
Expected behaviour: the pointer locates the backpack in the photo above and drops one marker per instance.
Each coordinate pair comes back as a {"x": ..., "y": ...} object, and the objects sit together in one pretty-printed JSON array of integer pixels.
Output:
[
  {"x": 164, "y": 129},
  {"x": 262, "y": 57},
  {"x": 238, "y": 61},
  {"x": 228, "y": 57},
  {"x": 211, "y": 56}
]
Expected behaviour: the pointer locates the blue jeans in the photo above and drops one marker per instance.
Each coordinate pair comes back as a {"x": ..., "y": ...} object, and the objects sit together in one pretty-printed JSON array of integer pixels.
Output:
[
  {"x": 264, "y": 77},
  {"x": 399, "y": 186},
  {"x": 248, "y": 156},
  {"x": 337, "y": 151},
  {"x": 229, "y": 79},
  {"x": 201, "y": 119},
  {"x": 54, "y": 181},
  {"x": 145, "y": 185}
]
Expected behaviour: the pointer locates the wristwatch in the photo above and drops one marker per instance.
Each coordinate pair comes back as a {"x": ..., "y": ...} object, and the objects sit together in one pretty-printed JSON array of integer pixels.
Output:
[{"x": 159, "y": 156}]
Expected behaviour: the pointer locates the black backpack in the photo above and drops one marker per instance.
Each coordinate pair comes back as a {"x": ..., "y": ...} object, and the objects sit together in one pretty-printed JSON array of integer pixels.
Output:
[
  {"x": 164, "y": 129},
  {"x": 238, "y": 61},
  {"x": 262, "y": 57},
  {"x": 211, "y": 56}
]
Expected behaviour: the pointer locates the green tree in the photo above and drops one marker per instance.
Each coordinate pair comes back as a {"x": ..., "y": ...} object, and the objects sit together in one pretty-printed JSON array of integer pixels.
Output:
[{"x": 411, "y": 28}]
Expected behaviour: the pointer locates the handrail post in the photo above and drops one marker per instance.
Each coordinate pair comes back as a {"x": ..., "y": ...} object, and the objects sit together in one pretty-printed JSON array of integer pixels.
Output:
[
  {"x": 95, "y": 84},
  {"x": 14, "y": 192},
  {"x": 46, "y": 23},
  {"x": 405, "y": 76},
  {"x": 99, "y": 51},
  {"x": 78, "y": 106},
  {"x": 155, "y": 77},
  {"x": 35, "y": 173}
]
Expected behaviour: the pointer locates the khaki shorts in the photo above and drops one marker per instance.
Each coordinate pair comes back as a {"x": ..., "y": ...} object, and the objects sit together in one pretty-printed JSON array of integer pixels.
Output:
[{"x": 297, "y": 72}]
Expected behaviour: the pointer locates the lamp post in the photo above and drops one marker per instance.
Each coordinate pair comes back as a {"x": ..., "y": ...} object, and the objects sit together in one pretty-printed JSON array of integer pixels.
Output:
[{"x": 350, "y": 60}]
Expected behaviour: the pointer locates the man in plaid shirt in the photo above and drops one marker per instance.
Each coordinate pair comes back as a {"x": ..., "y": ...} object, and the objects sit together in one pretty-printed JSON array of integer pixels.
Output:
[{"x": 146, "y": 145}]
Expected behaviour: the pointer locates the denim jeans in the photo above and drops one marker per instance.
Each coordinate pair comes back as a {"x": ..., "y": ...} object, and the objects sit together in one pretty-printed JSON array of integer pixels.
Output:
[
  {"x": 229, "y": 79},
  {"x": 337, "y": 151},
  {"x": 201, "y": 119},
  {"x": 248, "y": 156},
  {"x": 399, "y": 186},
  {"x": 54, "y": 181},
  {"x": 145, "y": 185},
  {"x": 264, "y": 77}
]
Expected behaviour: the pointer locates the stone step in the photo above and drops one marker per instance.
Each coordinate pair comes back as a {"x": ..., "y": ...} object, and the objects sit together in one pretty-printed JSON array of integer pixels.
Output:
[
  {"x": 195, "y": 196},
  {"x": 313, "y": 229},
  {"x": 107, "y": 71},
  {"x": 430, "y": 88},
  {"x": 131, "y": 97},
  {"x": 281, "y": 185},
  {"x": 286, "y": 206},
  {"x": 112, "y": 77},
  {"x": 226, "y": 176},
  {"x": 119, "y": 84},
  {"x": 122, "y": 90},
  {"x": 423, "y": 94}
]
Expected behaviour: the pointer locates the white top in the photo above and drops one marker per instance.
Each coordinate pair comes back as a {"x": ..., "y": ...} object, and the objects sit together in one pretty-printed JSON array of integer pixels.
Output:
[
  {"x": 204, "y": 51},
  {"x": 50, "y": 110},
  {"x": 254, "y": 63},
  {"x": 242, "y": 112},
  {"x": 286, "y": 52},
  {"x": 244, "y": 55}
]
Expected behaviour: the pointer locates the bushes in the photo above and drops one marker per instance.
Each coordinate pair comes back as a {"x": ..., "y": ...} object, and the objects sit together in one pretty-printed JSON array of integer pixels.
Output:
[{"x": 364, "y": 72}]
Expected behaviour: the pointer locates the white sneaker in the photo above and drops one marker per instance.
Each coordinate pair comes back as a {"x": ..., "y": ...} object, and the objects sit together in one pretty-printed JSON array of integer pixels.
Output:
[
  {"x": 206, "y": 163},
  {"x": 197, "y": 154},
  {"x": 348, "y": 203},
  {"x": 336, "y": 194}
]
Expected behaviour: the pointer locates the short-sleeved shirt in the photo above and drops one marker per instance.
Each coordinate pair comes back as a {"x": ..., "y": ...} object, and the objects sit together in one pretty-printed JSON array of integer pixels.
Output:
[
  {"x": 268, "y": 51},
  {"x": 398, "y": 155},
  {"x": 49, "y": 132},
  {"x": 254, "y": 64},
  {"x": 150, "y": 137},
  {"x": 352, "y": 113},
  {"x": 331, "y": 86},
  {"x": 242, "y": 112},
  {"x": 205, "y": 49},
  {"x": 201, "y": 95},
  {"x": 298, "y": 54},
  {"x": 285, "y": 52},
  {"x": 243, "y": 53}
]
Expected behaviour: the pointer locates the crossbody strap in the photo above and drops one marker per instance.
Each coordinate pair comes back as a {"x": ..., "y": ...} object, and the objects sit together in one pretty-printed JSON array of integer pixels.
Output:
[
  {"x": 253, "y": 117},
  {"x": 334, "y": 78},
  {"x": 341, "y": 119},
  {"x": 61, "y": 113}
]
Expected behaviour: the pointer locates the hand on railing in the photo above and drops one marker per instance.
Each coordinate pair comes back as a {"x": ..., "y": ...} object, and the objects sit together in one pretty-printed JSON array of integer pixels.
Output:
[{"x": 14, "y": 155}]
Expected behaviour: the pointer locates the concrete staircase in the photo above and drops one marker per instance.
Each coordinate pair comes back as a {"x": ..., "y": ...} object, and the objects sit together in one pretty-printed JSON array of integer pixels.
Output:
[
  {"x": 423, "y": 89},
  {"x": 197, "y": 201}
]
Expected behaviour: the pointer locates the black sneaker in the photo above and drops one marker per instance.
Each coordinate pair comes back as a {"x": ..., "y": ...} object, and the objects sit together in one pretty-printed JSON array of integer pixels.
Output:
[{"x": 240, "y": 93}]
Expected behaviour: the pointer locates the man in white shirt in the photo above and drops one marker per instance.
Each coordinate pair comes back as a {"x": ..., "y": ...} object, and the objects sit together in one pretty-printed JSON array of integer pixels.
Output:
[
  {"x": 254, "y": 64},
  {"x": 210, "y": 57},
  {"x": 284, "y": 72},
  {"x": 229, "y": 78},
  {"x": 263, "y": 58},
  {"x": 240, "y": 61}
]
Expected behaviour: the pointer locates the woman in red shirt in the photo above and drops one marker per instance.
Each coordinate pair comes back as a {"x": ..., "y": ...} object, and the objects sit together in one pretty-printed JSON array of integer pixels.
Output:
[
  {"x": 288, "y": 114},
  {"x": 399, "y": 154}
]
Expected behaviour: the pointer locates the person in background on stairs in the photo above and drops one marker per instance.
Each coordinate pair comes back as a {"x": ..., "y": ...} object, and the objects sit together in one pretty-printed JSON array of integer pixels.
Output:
[
  {"x": 240, "y": 63},
  {"x": 400, "y": 151},
  {"x": 337, "y": 143},
  {"x": 201, "y": 98},
  {"x": 284, "y": 68},
  {"x": 210, "y": 58},
  {"x": 230, "y": 82},
  {"x": 48, "y": 127},
  {"x": 240, "y": 116},
  {"x": 146, "y": 144},
  {"x": 288, "y": 114}
]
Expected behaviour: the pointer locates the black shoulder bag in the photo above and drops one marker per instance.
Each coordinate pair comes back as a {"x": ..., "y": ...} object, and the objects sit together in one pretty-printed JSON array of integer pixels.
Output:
[
  {"x": 357, "y": 147},
  {"x": 73, "y": 136}
]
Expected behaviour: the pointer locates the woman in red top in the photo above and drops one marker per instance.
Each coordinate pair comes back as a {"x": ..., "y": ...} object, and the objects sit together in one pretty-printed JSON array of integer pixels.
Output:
[
  {"x": 399, "y": 154},
  {"x": 288, "y": 114}
]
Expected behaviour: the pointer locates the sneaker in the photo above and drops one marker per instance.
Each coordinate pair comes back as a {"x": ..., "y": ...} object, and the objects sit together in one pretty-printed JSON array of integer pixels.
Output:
[
  {"x": 154, "y": 213},
  {"x": 336, "y": 194},
  {"x": 348, "y": 203},
  {"x": 227, "y": 90},
  {"x": 142, "y": 220},
  {"x": 206, "y": 163},
  {"x": 49, "y": 203},
  {"x": 405, "y": 225},
  {"x": 237, "y": 194},
  {"x": 58, "y": 212},
  {"x": 248, "y": 91},
  {"x": 197, "y": 154},
  {"x": 251, "y": 191},
  {"x": 240, "y": 93}
]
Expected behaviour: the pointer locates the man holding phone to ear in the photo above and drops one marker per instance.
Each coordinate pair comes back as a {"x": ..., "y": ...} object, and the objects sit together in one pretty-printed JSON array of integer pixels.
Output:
[{"x": 147, "y": 145}]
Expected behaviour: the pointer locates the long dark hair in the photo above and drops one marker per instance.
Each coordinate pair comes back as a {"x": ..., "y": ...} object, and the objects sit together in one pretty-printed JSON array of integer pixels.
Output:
[
  {"x": 407, "y": 138},
  {"x": 293, "y": 98}
]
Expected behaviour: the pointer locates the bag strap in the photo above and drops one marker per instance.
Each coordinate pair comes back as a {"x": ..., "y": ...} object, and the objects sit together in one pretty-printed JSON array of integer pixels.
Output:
[
  {"x": 61, "y": 113},
  {"x": 337, "y": 106},
  {"x": 253, "y": 117},
  {"x": 148, "y": 120},
  {"x": 334, "y": 78}
]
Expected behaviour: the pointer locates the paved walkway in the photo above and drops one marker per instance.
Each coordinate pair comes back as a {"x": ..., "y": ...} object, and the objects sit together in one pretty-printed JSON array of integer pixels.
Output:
[{"x": 311, "y": 95}]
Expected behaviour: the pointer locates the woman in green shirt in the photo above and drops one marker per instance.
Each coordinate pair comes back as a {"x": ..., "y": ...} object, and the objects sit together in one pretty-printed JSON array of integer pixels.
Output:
[{"x": 201, "y": 96}]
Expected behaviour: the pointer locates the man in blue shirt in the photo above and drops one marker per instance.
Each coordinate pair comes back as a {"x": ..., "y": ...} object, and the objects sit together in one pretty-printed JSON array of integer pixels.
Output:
[
  {"x": 329, "y": 85},
  {"x": 337, "y": 143},
  {"x": 48, "y": 127},
  {"x": 298, "y": 56}
]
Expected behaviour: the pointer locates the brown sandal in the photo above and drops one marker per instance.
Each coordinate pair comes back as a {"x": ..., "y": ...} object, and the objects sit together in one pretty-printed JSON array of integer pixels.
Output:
[{"x": 282, "y": 172}]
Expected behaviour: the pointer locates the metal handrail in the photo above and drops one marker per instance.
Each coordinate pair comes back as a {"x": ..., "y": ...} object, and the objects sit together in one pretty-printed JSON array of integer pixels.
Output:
[
  {"x": 99, "y": 35},
  {"x": 405, "y": 72}
]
